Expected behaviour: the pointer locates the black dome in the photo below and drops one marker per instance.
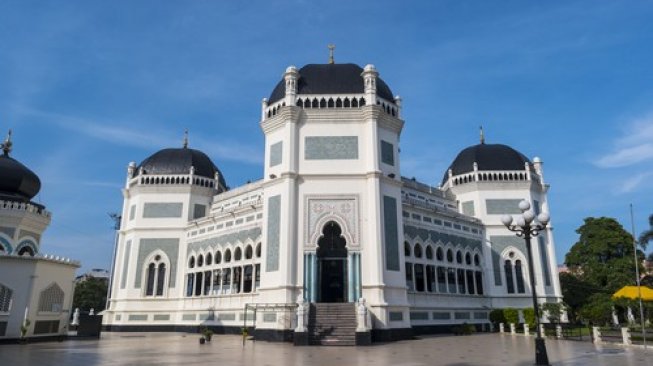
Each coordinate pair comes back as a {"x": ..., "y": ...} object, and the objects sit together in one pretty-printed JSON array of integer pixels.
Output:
[
  {"x": 488, "y": 157},
  {"x": 330, "y": 79},
  {"x": 17, "y": 182},
  {"x": 179, "y": 161}
]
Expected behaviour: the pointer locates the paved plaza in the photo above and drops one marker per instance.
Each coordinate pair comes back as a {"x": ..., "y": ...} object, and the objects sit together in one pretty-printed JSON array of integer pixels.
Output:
[{"x": 184, "y": 349}]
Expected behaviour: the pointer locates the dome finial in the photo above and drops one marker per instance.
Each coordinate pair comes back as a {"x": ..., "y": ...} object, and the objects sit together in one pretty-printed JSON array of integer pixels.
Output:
[
  {"x": 331, "y": 48},
  {"x": 482, "y": 135},
  {"x": 185, "y": 138},
  {"x": 6, "y": 146}
]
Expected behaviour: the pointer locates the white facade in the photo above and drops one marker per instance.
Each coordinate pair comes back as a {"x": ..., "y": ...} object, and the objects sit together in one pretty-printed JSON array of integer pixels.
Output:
[
  {"x": 331, "y": 221},
  {"x": 36, "y": 290}
]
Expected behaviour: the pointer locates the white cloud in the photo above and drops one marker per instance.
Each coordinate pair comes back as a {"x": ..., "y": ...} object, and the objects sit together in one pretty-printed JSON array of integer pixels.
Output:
[
  {"x": 634, "y": 147},
  {"x": 631, "y": 183},
  {"x": 117, "y": 133}
]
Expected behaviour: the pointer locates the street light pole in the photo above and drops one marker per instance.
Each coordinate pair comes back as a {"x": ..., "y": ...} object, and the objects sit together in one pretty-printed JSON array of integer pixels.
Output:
[{"x": 527, "y": 226}]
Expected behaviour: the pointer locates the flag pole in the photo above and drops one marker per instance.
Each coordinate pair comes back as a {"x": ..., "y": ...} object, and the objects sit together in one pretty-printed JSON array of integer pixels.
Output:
[{"x": 639, "y": 285}]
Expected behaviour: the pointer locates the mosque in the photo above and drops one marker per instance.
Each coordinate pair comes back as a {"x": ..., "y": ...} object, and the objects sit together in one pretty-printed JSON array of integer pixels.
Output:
[
  {"x": 36, "y": 289},
  {"x": 333, "y": 245}
]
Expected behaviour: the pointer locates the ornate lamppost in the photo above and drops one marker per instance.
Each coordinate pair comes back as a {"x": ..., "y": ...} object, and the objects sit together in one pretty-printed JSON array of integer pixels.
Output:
[{"x": 527, "y": 226}]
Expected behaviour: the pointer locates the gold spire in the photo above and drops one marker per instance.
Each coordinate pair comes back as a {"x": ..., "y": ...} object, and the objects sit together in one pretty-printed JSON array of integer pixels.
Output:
[
  {"x": 331, "y": 48},
  {"x": 482, "y": 135},
  {"x": 185, "y": 138},
  {"x": 6, "y": 146}
]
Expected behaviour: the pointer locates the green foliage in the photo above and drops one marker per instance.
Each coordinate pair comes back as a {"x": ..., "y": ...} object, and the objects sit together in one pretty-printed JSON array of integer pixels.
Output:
[
  {"x": 603, "y": 256},
  {"x": 529, "y": 317},
  {"x": 24, "y": 327},
  {"x": 511, "y": 315},
  {"x": 575, "y": 293},
  {"x": 496, "y": 317},
  {"x": 598, "y": 309},
  {"x": 553, "y": 311},
  {"x": 647, "y": 236},
  {"x": 91, "y": 293},
  {"x": 464, "y": 329}
]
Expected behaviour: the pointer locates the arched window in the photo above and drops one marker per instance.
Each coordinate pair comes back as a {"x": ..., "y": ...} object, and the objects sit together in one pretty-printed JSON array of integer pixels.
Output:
[
  {"x": 519, "y": 277},
  {"x": 468, "y": 259},
  {"x": 418, "y": 251},
  {"x": 218, "y": 257},
  {"x": 510, "y": 285},
  {"x": 209, "y": 259},
  {"x": 191, "y": 262},
  {"x": 51, "y": 299},
  {"x": 459, "y": 257},
  {"x": 25, "y": 251},
  {"x": 248, "y": 252},
  {"x": 429, "y": 252},
  {"x": 477, "y": 260},
  {"x": 439, "y": 254},
  {"x": 5, "y": 298},
  {"x": 449, "y": 255},
  {"x": 238, "y": 253},
  {"x": 150, "y": 280},
  {"x": 200, "y": 260},
  {"x": 406, "y": 249},
  {"x": 155, "y": 277},
  {"x": 258, "y": 250},
  {"x": 227, "y": 256},
  {"x": 161, "y": 277}
]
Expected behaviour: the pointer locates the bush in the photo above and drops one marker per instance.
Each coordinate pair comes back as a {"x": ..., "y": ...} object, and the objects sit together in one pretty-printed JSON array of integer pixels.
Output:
[
  {"x": 529, "y": 317},
  {"x": 464, "y": 329},
  {"x": 496, "y": 317},
  {"x": 511, "y": 315}
]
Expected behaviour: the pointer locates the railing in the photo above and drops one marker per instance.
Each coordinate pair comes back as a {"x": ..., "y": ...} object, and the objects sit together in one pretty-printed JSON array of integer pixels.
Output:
[
  {"x": 173, "y": 179},
  {"x": 24, "y": 206}
]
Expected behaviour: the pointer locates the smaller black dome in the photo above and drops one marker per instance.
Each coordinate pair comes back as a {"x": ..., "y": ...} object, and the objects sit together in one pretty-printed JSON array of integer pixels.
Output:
[
  {"x": 331, "y": 79},
  {"x": 179, "y": 161},
  {"x": 487, "y": 157},
  {"x": 17, "y": 182}
]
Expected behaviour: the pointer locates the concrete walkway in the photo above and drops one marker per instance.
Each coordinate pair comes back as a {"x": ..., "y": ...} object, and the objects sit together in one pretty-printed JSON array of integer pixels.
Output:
[{"x": 162, "y": 349}]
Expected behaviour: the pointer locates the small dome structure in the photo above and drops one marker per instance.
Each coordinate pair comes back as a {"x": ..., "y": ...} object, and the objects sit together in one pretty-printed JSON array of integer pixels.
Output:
[
  {"x": 180, "y": 161},
  {"x": 330, "y": 79},
  {"x": 487, "y": 157},
  {"x": 17, "y": 182}
]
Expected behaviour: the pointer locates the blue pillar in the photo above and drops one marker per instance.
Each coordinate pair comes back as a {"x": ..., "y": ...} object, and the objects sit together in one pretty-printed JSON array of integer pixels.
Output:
[
  {"x": 357, "y": 271},
  {"x": 351, "y": 278},
  {"x": 313, "y": 277}
]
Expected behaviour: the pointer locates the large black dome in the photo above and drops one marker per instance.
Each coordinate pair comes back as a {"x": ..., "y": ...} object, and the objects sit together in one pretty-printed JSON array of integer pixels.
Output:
[
  {"x": 487, "y": 157},
  {"x": 179, "y": 161},
  {"x": 17, "y": 182},
  {"x": 330, "y": 79}
]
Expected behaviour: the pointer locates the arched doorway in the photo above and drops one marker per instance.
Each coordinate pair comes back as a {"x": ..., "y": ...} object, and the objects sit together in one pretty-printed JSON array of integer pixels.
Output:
[{"x": 332, "y": 264}]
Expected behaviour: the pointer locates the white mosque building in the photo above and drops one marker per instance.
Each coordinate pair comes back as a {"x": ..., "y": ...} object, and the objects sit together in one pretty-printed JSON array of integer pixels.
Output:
[
  {"x": 333, "y": 245},
  {"x": 36, "y": 289}
]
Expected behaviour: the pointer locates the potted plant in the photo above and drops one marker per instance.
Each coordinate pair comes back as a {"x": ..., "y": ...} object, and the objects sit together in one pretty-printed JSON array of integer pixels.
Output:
[
  {"x": 207, "y": 334},
  {"x": 23, "y": 330}
]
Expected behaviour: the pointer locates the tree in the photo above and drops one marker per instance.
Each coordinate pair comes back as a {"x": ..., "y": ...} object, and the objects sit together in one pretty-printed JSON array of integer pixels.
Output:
[
  {"x": 603, "y": 256},
  {"x": 90, "y": 294},
  {"x": 647, "y": 236},
  {"x": 575, "y": 293}
]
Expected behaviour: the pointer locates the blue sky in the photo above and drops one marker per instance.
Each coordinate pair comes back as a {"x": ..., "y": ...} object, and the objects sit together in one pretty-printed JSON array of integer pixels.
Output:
[{"x": 88, "y": 86}]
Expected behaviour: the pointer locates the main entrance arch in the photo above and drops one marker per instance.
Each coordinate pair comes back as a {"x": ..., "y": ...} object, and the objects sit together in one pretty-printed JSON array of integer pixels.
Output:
[{"x": 332, "y": 264}]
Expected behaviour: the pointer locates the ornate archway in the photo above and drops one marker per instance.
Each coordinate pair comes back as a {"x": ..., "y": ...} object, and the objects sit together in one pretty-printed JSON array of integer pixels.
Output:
[{"x": 332, "y": 264}]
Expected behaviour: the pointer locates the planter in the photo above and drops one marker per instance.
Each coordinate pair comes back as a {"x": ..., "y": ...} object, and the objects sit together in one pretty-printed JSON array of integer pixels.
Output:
[{"x": 202, "y": 340}]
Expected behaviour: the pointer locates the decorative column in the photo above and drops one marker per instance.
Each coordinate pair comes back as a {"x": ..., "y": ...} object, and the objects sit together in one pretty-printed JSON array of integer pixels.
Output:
[{"x": 351, "y": 278}]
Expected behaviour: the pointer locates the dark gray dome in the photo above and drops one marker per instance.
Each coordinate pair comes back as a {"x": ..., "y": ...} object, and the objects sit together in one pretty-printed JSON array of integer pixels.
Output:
[
  {"x": 331, "y": 79},
  {"x": 17, "y": 182},
  {"x": 179, "y": 161},
  {"x": 488, "y": 157}
]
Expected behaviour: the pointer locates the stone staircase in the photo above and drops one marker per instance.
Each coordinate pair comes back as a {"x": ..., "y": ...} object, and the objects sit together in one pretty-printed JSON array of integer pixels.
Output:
[{"x": 332, "y": 324}]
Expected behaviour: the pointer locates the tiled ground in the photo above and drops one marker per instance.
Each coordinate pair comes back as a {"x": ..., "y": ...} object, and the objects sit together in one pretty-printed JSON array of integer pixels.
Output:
[{"x": 162, "y": 349}]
